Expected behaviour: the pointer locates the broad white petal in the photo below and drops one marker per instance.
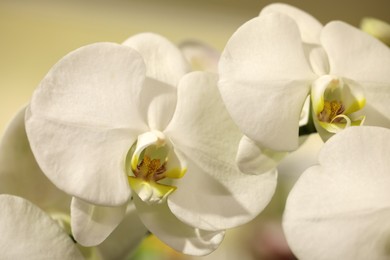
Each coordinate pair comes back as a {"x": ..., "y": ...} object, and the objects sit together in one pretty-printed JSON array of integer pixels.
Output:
[
  {"x": 96, "y": 85},
  {"x": 201, "y": 56},
  {"x": 355, "y": 55},
  {"x": 163, "y": 224},
  {"x": 265, "y": 79},
  {"x": 309, "y": 27},
  {"x": 340, "y": 208},
  {"x": 213, "y": 194},
  {"x": 92, "y": 224},
  {"x": 20, "y": 174},
  {"x": 164, "y": 61},
  {"x": 125, "y": 238},
  {"x": 29, "y": 233},
  {"x": 85, "y": 162}
]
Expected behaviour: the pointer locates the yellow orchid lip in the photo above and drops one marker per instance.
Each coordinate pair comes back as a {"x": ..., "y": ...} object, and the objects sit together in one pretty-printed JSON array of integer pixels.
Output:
[{"x": 150, "y": 160}]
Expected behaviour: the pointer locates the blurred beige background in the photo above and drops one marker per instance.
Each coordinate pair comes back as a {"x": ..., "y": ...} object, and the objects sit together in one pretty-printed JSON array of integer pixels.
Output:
[{"x": 35, "y": 34}]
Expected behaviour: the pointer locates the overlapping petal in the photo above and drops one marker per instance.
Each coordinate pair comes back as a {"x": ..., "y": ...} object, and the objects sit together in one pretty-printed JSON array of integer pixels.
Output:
[
  {"x": 28, "y": 233},
  {"x": 161, "y": 222},
  {"x": 265, "y": 79},
  {"x": 309, "y": 27},
  {"x": 214, "y": 194},
  {"x": 92, "y": 224},
  {"x": 157, "y": 103},
  {"x": 20, "y": 174},
  {"x": 164, "y": 61},
  {"x": 340, "y": 208},
  {"x": 125, "y": 238}
]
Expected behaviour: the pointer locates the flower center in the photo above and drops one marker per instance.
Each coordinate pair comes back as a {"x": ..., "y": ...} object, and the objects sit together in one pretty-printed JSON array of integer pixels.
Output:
[
  {"x": 151, "y": 165},
  {"x": 150, "y": 169},
  {"x": 331, "y": 110},
  {"x": 335, "y": 102}
]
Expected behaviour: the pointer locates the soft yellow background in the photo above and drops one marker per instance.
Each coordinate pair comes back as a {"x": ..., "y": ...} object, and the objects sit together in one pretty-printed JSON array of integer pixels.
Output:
[{"x": 36, "y": 34}]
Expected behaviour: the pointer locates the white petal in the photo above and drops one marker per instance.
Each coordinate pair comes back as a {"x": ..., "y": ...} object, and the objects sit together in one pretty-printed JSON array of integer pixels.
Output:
[
  {"x": 309, "y": 27},
  {"x": 213, "y": 194},
  {"x": 92, "y": 224},
  {"x": 97, "y": 85},
  {"x": 305, "y": 113},
  {"x": 125, "y": 238},
  {"x": 200, "y": 55},
  {"x": 164, "y": 61},
  {"x": 252, "y": 159},
  {"x": 265, "y": 79},
  {"x": 318, "y": 60},
  {"x": 20, "y": 174},
  {"x": 355, "y": 55},
  {"x": 339, "y": 209},
  {"x": 28, "y": 233},
  {"x": 163, "y": 224},
  {"x": 377, "y": 28},
  {"x": 85, "y": 162}
]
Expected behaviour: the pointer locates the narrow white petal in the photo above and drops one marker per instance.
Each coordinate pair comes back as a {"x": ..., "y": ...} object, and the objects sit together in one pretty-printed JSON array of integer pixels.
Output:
[
  {"x": 213, "y": 194},
  {"x": 85, "y": 162},
  {"x": 29, "y": 233},
  {"x": 164, "y": 225},
  {"x": 252, "y": 159},
  {"x": 92, "y": 224},
  {"x": 20, "y": 174},
  {"x": 339, "y": 209},
  {"x": 164, "y": 61},
  {"x": 201, "y": 56},
  {"x": 157, "y": 103},
  {"x": 309, "y": 27},
  {"x": 125, "y": 238},
  {"x": 265, "y": 79}
]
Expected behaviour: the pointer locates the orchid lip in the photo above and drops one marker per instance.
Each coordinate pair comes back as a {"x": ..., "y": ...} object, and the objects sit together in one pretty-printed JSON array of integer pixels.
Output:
[
  {"x": 151, "y": 165},
  {"x": 335, "y": 100}
]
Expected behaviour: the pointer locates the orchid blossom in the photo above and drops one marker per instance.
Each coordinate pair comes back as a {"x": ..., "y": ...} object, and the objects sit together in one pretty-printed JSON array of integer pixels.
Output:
[
  {"x": 32, "y": 234},
  {"x": 273, "y": 62},
  {"x": 338, "y": 208},
  {"x": 112, "y": 123}
]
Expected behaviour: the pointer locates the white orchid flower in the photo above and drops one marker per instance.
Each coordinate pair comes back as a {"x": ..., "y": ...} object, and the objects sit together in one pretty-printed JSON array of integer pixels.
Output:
[
  {"x": 338, "y": 209},
  {"x": 21, "y": 176},
  {"x": 111, "y": 122},
  {"x": 273, "y": 62}
]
